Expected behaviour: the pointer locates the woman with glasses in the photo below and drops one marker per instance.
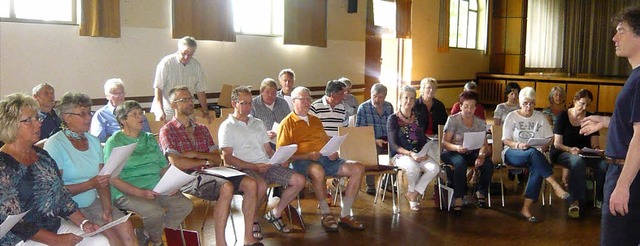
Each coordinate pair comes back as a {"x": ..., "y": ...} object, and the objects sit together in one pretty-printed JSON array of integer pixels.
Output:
[
  {"x": 79, "y": 157},
  {"x": 519, "y": 127},
  {"x": 29, "y": 181},
  {"x": 567, "y": 150}
]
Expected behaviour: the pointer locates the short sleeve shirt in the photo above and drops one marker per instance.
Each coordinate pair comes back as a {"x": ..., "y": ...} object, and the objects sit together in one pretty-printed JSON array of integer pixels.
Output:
[
  {"x": 456, "y": 125},
  {"x": 626, "y": 113},
  {"x": 246, "y": 139}
]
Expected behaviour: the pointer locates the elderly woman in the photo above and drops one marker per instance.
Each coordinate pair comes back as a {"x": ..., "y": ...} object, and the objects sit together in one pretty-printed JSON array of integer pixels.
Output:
[
  {"x": 29, "y": 181},
  {"x": 133, "y": 189},
  {"x": 520, "y": 126},
  {"x": 502, "y": 109},
  {"x": 461, "y": 157},
  {"x": 557, "y": 98},
  {"x": 406, "y": 139},
  {"x": 104, "y": 123},
  {"x": 79, "y": 158},
  {"x": 567, "y": 150},
  {"x": 429, "y": 110}
]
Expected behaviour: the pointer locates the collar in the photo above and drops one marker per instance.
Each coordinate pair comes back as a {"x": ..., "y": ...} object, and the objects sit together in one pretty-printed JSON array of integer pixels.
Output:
[
  {"x": 236, "y": 121},
  {"x": 177, "y": 123}
]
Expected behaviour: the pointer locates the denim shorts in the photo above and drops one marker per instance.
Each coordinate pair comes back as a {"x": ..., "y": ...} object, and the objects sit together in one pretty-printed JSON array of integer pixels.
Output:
[{"x": 330, "y": 167}]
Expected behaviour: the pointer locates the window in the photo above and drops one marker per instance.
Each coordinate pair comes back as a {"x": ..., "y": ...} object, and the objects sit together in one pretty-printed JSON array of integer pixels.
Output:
[
  {"x": 545, "y": 35},
  {"x": 259, "y": 17},
  {"x": 384, "y": 16},
  {"x": 468, "y": 24},
  {"x": 46, "y": 11}
]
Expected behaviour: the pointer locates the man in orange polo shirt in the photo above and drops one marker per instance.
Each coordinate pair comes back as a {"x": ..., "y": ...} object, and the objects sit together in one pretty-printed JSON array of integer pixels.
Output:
[{"x": 305, "y": 130}]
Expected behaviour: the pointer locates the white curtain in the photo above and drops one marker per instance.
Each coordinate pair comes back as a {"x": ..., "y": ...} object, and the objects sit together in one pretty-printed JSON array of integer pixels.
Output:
[{"x": 545, "y": 34}]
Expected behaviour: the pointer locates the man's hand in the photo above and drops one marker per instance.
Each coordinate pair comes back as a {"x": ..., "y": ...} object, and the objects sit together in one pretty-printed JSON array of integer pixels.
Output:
[
  {"x": 106, "y": 215},
  {"x": 148, "y": 194},
  {"x": 271, "y": 134},
  {"x": 381, "y": 143},
  {"x": 314, "y": 156},
  {"x": 619, "y": 201},
  {"x": 67, "y": 239},
  {"x": 90, "y": 227},
  {"x": 100, "y": 181},
  {"x": 262, "y": 167},
  {"x": 334, "y": 156},
  {"x": 593, "y": 124}
]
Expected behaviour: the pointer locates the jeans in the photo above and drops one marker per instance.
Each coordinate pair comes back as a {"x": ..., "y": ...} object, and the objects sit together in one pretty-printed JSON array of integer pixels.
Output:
[
  {"x": 460, "y": 163},
  {"x": 577, "y": 168},
  {"x": 620, "y": 230},
  {"x": 539, "y": 168}
]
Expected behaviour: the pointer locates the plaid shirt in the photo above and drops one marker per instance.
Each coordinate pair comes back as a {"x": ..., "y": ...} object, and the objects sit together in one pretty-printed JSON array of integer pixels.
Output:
[
  {"x": 175, "y": 139},
  {"x": 368, "y": 116}
]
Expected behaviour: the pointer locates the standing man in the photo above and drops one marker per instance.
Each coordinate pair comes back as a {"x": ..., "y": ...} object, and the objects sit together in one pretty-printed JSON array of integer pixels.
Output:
[
  {"x": 374, "y": 112},
  {"x": 46, "y": 97},
  {"x": 178, "y": 69},
  {"x": 268, "y": 107},
  {"x": 305, "y": 130},
  {"x": 188, "y": 146},
  {"x": 244, "y": 144},
  {"x": 621, "y": 205},
  {"x": 287, "y": 79},
  {"x": 330, "y": 108}
]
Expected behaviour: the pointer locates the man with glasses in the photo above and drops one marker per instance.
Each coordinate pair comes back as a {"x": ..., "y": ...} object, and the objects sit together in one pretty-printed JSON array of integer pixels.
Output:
[
  {"x": 305, "y": 130},
  {"x": 188, "y": 146},
  {"x": 46, "y": 98},
  {"x": 104, "y": 123},
  {"x": 176, "y": 69},
  {"x": 330, "y": 109}
]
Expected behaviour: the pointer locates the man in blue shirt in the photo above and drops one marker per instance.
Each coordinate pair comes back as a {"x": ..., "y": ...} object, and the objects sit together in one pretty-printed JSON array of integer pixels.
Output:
[
  {"x": 621, "y": 203},
  {"x": 46, "y": 97},
  {"x": 374, "y": 112}
]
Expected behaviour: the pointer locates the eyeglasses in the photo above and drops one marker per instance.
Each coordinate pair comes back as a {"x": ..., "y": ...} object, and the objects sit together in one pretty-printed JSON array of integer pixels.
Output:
[
  {"x": 32, "y": 119},
  {"x": 185, "y": 100},
  {"x": 136, "y": 114},
  {"x": 305, "y": 99},
  {"x": 83, "y": 114},
  {"x": 119, "y": 94},
  {"x": 243, "y": 103},
  {"x": 529, "y": 104}
]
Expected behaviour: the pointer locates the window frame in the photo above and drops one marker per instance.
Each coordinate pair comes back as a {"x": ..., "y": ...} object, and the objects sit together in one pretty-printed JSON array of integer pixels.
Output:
[
  {"x": 480, "y": 13},
  {"x": 271, "y": 26},
  {"x": 74, "y": 16}
]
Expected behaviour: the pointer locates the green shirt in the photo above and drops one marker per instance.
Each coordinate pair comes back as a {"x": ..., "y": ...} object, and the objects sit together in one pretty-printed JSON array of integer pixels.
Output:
[{"x": 143, "y": 169}]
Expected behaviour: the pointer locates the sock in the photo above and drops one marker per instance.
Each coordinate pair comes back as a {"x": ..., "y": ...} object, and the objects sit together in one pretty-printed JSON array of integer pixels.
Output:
[
  {"x": 346, "y": 206},
  {"x": 324, "y": 207}
]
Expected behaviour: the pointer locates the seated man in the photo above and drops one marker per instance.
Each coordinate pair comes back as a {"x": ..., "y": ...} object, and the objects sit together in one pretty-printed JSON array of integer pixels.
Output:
[
  {"x": 245, "y": 145},
  {"x": 188, "y": 145},
  {"x": 104, "y": 123},
  {"x": 268, "y": 107},
  {"x": 305, "y": 130},
  {"x": 330, "y": 109},
  {"x": 46, "y": 97}
]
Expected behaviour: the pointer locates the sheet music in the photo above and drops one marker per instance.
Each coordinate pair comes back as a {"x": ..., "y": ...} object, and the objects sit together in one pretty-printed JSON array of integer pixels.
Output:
[
  {"x": 108, "y": 226},
  {"x": 333, "y": 145},
  {"x": 275, "y": 126},
  {"x": 223, "y": 172},
  {"x": 473, "y": 140},
  {"x": 283, "y": 153},
  {"x": 119, "y": 156},
  {"x": 537, "y": 142},
  {"x": 11, "y": 221},
  {"x": 172, "y": 180}
]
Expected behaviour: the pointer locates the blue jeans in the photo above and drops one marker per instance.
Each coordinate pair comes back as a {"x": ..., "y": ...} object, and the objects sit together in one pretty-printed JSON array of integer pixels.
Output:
[
  {"x": 620, "y": 230},
  {"x": 539, "y": 168},
  {"x": 577, "y": 168},
  {"x": 460, "y": 163}
]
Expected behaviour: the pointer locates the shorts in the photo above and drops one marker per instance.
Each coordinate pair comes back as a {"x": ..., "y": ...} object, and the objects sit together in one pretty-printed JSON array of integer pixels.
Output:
[{"x": 330, "y": 167}]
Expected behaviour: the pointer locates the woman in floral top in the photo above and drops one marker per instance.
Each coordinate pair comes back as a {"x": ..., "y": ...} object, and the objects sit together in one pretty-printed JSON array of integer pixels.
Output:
[{"x": 406, "y": 139}]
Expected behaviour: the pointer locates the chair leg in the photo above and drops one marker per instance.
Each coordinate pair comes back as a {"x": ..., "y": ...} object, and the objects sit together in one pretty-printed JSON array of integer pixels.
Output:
[
  {"x": 395, "y": 194},
  {"x": 502, "y": 186},
  {"x": 378, "y": 187}
]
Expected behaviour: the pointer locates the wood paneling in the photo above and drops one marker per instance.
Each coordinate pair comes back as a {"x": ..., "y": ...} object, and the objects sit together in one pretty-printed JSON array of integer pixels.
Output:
[
  {"x": 573, "y": 88},
  {"x": 498, "y": 34},
  {"x": 515, "y": 8},
  {"x": 513, "y": 38},
  {"x": 523, "y": 84},
  {"x": 500, "y": 8},
  {"x": 607, "y": 97},
  {"x": 513, "y": 64}
]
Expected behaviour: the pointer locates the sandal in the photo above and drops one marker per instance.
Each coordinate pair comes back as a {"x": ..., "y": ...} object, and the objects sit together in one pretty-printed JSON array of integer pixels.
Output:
[
  {"x": 574, "y": 212},
  {"x": 351, "y": 223},
  {"x": 482, "y": 201},
  {"x": 277, "y": 222},
  {"x": 329, "y": 223},
  {"x": 413, "y": 205},
  {"x": 257, "y": 231}
]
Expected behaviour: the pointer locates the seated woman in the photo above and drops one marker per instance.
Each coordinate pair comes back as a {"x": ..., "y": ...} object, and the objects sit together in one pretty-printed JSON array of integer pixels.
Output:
[
  {"x": 557, "y": 98},
  {"x": 567, "y": 147},
  {"x": 133, "y": 189},
  {"x": 520, "y": 126},
  {"x": 461, "y": 157},
  {"x": 472, "y": 87},
  {"x": 29, "y": 181},
  {"x": 79, "y": 158},
  {"x": 502, "y": 109},
  {"x": 406, "y": 139}
]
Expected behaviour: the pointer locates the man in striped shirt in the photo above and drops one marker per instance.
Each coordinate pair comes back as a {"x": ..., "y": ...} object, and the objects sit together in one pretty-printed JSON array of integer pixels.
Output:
[{"x": 330, "y": 108}]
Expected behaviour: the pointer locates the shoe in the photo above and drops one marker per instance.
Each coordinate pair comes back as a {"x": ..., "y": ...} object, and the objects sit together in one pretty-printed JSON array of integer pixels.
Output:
[
  {"x": 482, "y": 201},
  {"x": 413, "y": 205},
  {"x": 276, "y": 222},
  {"x": 257, "y": 231},
  {"x": 457, "y": 210},
  {"x": 574, "y": 212},
  {"x": 329, "y": 223},
  {"x": 371, "y": 190},
  {"x": 531, "y": 219},
  {"x": 351, "y": 223}
]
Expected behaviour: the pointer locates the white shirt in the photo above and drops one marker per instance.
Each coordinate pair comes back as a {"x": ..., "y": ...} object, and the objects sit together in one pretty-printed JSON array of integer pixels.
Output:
[
  {"x": 170, "y": 73},
  {"x": 246, "y": 139}
]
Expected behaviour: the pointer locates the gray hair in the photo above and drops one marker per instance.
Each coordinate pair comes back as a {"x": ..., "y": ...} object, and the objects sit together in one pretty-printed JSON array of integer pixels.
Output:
[
  {"x": 563, "y": 94},
  {"x": 71, "y": 100},
  {"x": 408, "y": 89},
  {"x": 172, "y": 92},
  {"x": 299, "y": 90},
  {"x": 425, "y": 81},
  {"x": 268, "y": 82},
  {"x": 188, "y": 41},
  {"x": 36, "y": 89},
  {"x": 112, "y": 83},
  {"x": 123, "y": 110},
  {"x": 471, "y": 86},
  {"x": 527, "y": 93},
  {"x": 346, "y": 81},
  {"x": 240, "y": 89},
  {"x": 287, "y": 71},
  {"x": 334, "y": 86},
  {"x": 378, "y": 88},
  {"x": 11, "y": 108}
]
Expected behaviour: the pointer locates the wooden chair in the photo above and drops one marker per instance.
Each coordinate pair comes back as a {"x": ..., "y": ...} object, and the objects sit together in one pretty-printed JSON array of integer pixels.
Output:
[
  {"x": 224, "y": 100},
  {"x": 360, "y": 146},
  {"x": 213, "y": 127}
]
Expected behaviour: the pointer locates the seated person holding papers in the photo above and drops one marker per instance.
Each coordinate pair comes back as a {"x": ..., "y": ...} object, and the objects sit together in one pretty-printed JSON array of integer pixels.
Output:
[
  {"x": 305, "y": 130},
  {"x": 133, "y": 189},
  {"x": 189, "y": 147},
  {"x": 245, "y": 145},
  {"x": 460, "y": 132}
]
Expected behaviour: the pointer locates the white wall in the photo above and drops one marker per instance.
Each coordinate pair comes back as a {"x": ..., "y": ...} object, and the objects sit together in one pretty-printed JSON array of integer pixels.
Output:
[{"x": 35, "y": 53}]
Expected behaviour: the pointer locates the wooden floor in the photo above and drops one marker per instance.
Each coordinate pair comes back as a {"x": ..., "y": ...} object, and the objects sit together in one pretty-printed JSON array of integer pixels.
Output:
[{"x": 430, "y": 226}]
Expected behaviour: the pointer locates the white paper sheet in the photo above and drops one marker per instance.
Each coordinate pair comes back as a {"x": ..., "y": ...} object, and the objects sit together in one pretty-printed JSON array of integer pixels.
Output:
[
  {"x": 117, "y": 159},
  {"x": 108, "y": 225},
  {"x": 283, "y": 154},
  {"x": 275, "y": 126},
  {"x": 172, "y": 180},
  {"x": 537, "y": 142},
  {"x": 449, "y": 195},
  {"x": 223, "y": 172},
  {"x": 11, "y": 221},
  {"x": 333, "y": 145},
  {"x": 473, "y": 140}
]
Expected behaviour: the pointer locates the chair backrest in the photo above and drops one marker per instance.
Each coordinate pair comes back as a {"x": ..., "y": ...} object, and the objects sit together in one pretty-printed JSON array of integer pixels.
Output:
[
  {"x": 155, "y": 126},
  {"x": 213, "y": 127},
  {"x": 359, "y": 146},
  {"x": 440, "y": 138},
  {"x": 496, "y": 151},
  {"x": 225, "y": 96},
  {"x": 225, "y": 112},
  {"x": 150, "y": 116}
]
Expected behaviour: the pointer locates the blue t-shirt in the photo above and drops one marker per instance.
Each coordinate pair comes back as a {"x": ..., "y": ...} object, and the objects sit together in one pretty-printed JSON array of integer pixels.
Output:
[{"x": 625, "y": 113}]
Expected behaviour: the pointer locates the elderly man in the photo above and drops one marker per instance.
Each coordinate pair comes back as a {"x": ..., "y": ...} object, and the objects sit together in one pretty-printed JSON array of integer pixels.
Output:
[
  {"x": 287, "y": 79},
  {"x": 244, "y": 144},
  {"x": 330, "y": 108},
  {"x": 188, "y": 146},
  {"x": 46, "y": 97},
  {"x": 374, "y": 112},
  {"x": 176, "y": 69},
  {"x": 305, "y": 130},
  {"x": 268, "y": 107},
  {"x": 104, "y": 123},
  {"x": 350, "y": 102}
]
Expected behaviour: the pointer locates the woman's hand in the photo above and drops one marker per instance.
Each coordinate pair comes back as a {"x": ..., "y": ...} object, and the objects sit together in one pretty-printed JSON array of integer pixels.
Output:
[
  {"x": 148, "y": 194},
  {"x": 67, "y": 239},
  {"x": 101, "y": 181},
  {"x": 574, "y": 150},
  {"x": 106, "y": 215},
  {"x": 461, "y": 149}
]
